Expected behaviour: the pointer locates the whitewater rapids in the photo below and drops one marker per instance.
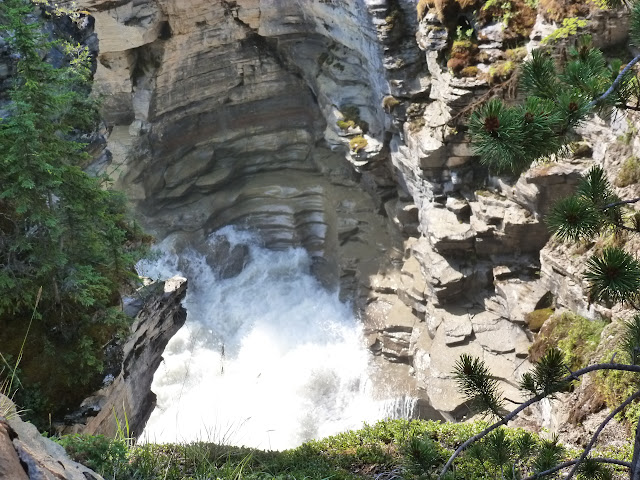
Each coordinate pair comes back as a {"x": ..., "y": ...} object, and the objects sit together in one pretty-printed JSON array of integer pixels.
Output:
[{"x": 267, "y": 359}]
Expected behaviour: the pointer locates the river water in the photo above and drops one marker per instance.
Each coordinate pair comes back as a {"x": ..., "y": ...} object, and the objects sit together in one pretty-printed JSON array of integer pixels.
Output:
[{"x": 267, "y": 359}]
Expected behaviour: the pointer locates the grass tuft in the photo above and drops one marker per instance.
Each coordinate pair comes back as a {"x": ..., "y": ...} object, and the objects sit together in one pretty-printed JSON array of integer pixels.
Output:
[{"x": 629, "y": 173}]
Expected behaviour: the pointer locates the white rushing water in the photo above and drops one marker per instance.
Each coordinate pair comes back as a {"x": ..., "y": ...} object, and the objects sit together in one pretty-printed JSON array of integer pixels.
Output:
[{"x": 267, "y": 359}]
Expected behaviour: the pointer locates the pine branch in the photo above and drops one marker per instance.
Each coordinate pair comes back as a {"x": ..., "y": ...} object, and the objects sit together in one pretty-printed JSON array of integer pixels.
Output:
[
  {"x": 573, "y": 376},
  {"x": 621, "y": 202},
  {"x": 594, "y": 437},
  {"x": 615, "y": 83},
  {"x": 572, "y": 462}
]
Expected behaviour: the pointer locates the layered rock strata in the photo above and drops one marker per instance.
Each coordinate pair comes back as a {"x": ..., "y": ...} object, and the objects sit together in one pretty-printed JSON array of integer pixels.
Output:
[
  {"x": 324, "y": 124},
  {"x": 225, "y": 113}
]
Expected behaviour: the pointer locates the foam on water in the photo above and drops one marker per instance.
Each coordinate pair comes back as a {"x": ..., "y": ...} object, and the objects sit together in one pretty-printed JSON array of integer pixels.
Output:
[{"x": 267, "y": 359}]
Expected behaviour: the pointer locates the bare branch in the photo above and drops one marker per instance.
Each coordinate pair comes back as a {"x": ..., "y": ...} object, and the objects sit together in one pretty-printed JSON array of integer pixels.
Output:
[
  {"x": 573, "y": 462},
  {"x": 621, "y": 202},
  {"x": 616, "y": 82},
  {"x": 537, "y": 398},
  {"x": 604, "y": 423}
]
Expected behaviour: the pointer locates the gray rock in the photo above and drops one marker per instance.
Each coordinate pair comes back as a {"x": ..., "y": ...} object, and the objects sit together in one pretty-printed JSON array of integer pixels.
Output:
[
  {"x": 520, "y": 297},
  {"x": 446, "y": 232},
  {"x": 130, "y": 395},
  {"x": 10, "y": 467},
  {"x": 26, "y": 455}
]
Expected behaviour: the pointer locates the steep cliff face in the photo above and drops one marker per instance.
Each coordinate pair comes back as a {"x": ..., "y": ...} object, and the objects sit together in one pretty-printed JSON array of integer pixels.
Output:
[
  {"x": 225, "y": 113},
  {"x": 324, "y": 124}
]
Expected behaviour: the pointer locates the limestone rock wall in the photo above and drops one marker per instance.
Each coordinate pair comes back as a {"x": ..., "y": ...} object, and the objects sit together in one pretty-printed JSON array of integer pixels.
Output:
[
  {"x": 323, "y": 123},
  {"x": 224, "y": 113}
]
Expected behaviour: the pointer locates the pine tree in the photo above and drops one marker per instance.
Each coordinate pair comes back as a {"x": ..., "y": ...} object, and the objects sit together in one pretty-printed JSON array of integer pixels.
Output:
[
  {"x": 509, "y": 139},
  {"x": 61, "y": 230}
]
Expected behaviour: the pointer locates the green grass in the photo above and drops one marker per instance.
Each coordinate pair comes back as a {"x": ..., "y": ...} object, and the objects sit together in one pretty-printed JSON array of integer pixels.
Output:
[
  {"x": 577, "y": 337},
  {"x": 375, "y": 449},
  {"x": 404, "y": 449}
]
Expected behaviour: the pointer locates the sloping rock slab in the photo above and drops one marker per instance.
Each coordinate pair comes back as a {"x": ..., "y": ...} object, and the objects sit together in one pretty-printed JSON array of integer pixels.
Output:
[
  {"x": 10, "y": 467},
  {"x": 130, "y": 395},
  {"x": 27, "y": 455}
]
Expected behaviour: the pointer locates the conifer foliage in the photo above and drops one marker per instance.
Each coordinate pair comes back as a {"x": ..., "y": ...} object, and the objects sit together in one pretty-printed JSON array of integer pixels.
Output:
[
  {"x": 508, "y": 139},
  {"x": 60, "y": 230}
]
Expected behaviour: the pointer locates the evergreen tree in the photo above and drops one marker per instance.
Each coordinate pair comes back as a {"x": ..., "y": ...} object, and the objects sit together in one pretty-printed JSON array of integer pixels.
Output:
[
  {"x": 61, "y": 230},
  {"x": 509, "y": 139}
]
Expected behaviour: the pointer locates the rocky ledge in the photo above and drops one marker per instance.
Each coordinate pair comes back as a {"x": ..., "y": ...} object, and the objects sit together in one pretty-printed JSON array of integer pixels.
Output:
[{"x": 128, "y": 398}]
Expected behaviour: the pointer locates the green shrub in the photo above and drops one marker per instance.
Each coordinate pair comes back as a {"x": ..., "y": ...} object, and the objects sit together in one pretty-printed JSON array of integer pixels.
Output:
[
  {"x": 577, "y": 337},
  {"x": 105, "y": 456},
  {"x": 422, "y": 454},
  {"x": 357, "y": 143},
  {"x": 629, "y": 173},
  {"x": 615, "y": 386}
]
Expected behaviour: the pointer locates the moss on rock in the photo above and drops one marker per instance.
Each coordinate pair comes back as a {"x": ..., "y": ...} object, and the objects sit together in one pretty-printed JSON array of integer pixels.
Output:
[{"x": 577, "y": 337}]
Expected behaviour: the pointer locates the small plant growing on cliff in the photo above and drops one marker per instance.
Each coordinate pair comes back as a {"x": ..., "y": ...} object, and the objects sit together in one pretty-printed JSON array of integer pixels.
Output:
[
  {"x": 357, "y": 143},
  {"x": 351, "y": 119},
  {"x": 389, "y": 103},
  {"x": 629, "y": 173},
  {"x": 569, "y": 28}
]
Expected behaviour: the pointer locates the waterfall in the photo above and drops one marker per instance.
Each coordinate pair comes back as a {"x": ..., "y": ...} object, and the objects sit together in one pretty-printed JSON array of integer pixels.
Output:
[{"x": 266, "y": 359}]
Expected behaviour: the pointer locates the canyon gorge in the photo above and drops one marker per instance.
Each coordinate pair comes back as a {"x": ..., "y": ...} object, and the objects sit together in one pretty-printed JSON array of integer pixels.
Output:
[{"x": 332, "y": 126}]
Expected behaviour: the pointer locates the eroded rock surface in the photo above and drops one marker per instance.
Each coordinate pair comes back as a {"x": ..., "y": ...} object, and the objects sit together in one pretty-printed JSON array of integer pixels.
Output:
[
  {"x": 225, "y": 113},
  {"x": 128, "y": 397},
  {"x": 323, "y": 124}
]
